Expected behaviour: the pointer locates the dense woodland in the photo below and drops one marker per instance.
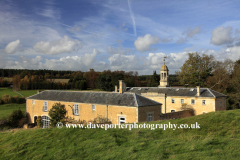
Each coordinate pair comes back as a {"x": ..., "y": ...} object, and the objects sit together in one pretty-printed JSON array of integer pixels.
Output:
[
  {"x": 203, "y": 70},
  {"x": 106, "y": 80}
]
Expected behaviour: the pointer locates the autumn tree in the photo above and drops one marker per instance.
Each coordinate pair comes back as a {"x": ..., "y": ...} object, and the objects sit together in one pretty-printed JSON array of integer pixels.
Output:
[
  {"x": 196, "y": 69},
  {"x": 16, "y": 81},
  {"x": 221, "y": 75},
  {"x": 25, "y": 82}
]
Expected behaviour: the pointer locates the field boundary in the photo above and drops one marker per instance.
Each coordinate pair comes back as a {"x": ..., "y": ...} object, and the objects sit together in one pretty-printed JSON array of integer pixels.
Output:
[{"x": 18, "y": 93}]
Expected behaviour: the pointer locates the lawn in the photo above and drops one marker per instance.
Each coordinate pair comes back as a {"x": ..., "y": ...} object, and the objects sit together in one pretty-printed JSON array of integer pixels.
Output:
[
  {"x": 218, "y": 138},
  {"x": 7, "y": 91},
  {"x": 28, "y": 93},
  {"x": 6, "y": 109}
]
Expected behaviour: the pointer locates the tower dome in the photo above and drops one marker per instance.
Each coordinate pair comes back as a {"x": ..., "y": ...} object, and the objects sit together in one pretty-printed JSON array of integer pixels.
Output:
[
  {"x": 164, "y": 75},
  {"x": 164, "y": 68}
]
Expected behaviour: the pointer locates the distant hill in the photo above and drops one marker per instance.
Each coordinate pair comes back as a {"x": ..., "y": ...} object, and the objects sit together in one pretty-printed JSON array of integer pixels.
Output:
[{"x": 217, "y": 138}]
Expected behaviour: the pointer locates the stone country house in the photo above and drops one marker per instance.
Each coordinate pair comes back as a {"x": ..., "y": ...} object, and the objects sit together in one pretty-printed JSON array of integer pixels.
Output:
[{"x": 127, "y": 104}]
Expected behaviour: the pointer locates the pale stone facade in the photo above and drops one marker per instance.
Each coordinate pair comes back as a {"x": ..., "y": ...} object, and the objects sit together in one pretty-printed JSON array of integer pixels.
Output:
[{"x": 135, "y": 110}]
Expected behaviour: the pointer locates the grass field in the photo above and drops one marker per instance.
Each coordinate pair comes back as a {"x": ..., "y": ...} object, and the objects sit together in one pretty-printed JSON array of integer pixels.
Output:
[
  {"x": 28, "y": 93},
  {"x": 7, "y": 91},
  {"x": 11, "y": 93},
  {"x": 218, "y": 138},
  {"x": 60, "y": 80},
  {"x": 6, "y": 109}
]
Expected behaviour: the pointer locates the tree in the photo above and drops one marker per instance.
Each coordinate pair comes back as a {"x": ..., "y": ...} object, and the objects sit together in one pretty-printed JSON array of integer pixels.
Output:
[
  {"x": 196, "y": 69},
  {"x": 235, "y": 83},
  {"x": 221, "y": 75},
  {"x": 57, "y": 114},
  {"x": 104, "y": 82},
  {"x": 16, "y": 81},
  {"x": 154, "y": 80}
]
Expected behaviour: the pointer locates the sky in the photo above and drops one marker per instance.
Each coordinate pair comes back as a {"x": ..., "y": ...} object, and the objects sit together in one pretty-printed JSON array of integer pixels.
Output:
[{"x": 129, "y": 35}]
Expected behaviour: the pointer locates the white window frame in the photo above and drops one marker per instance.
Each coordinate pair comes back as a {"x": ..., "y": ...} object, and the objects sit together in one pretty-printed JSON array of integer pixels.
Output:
[
  {"x": 45, "y": 105},
  {"x": 33, "y": 101},
  {"x": 93, "y": 107},
  {"x": 150, "y": 117},
  {"x": 45, "y": 121},
  {"x": 172, "y": 110},
  {"x": 121, "y": 121},
  {"x": 192, "y": 101},
  {"x": 173, "y": 100},
  {"x": 203, "y": 102},
  {"x": 75, "y": 110},
  {"x": 182, "y": 101}
]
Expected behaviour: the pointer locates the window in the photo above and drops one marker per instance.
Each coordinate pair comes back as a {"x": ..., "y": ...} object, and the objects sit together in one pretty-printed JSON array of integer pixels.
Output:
[
  {"x": 173, "y": 101},
  {"x": 172, "y": 110},
  {"x": 121, "y": 120},
  {"x": 150, "y": 117},
  {"x": 45, "y": 106},
  {"x": 33, "y": 101},
  {"x": 182, "y": 101},
  {"x": 220, "y": 104},
  {"x": 204, "y": 102},
  {"x": 93, "y": 107},
  {"x": 45, "y": 121},
  {"x": 75, "y": 111},
  {"x": 192, "y": 101}
]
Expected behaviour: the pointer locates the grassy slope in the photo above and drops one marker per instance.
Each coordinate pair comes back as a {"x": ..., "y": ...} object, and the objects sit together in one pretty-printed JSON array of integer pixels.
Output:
[
  {"x": 218, "y": 138},
  {"x": 6, "y": 109}
]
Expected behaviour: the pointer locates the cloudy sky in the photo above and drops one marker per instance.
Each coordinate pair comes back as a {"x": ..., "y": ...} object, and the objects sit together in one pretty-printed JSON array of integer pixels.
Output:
[{"x": 129, "y": 35}]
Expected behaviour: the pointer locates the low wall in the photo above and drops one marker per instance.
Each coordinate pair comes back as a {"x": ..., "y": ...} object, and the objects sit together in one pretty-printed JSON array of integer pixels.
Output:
[{"x": 175, "y": 115}]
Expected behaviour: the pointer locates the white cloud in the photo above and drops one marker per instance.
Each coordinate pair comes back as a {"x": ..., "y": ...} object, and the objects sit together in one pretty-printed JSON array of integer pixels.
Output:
[
  {"x": 125, "y": 62},
  {"x": 191, "y": 32},
  {"x": 82, "y": 63},
  {"x": 63, "y": 45},
  {"x": 12, "y": 47},
  {"x": 144, "y": 43},
  {"x": 221, "y": 36},
  {"x": 49, "y": 12}
]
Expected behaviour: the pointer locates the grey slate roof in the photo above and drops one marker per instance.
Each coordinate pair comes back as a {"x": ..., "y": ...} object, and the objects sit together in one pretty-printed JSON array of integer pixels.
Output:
[
  {"x": 175, "y": 91},
  {"x": 105, "y": 98}
]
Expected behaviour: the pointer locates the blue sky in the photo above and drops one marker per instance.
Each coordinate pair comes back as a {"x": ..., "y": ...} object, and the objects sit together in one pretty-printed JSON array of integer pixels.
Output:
[{"x": 129, "y": 35}]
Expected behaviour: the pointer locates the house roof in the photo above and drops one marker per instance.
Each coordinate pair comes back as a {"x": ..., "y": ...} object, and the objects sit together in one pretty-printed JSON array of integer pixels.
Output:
[
  {"x": 176, "y": 91},
  {"x": 105, "y": 98}
]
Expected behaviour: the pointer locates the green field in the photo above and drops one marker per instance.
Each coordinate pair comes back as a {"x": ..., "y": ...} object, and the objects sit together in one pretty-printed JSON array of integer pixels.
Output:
[
  {"x": 7, "y": 91},
  {"x": 11, "y": 93},
  {"x": 28, "y": 93},
  {"x": 218, "y": 138},
  {"x": 6, "y": 109}
]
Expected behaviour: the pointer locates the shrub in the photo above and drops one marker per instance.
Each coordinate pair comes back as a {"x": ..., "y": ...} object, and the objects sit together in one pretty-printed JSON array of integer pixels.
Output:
[
  {"x": 15, "y": 99},
  {"x": 14, "y": 117},
  {"x": 57, "y": 114},
  {"x": 6, "y": 98},
  {"x": 101, "y": 119},
  {"x": 39, "y": 121}
]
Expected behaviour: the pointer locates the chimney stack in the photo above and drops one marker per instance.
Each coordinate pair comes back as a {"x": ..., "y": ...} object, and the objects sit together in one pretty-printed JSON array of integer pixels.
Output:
[
  {"x": 198, "y": 90},
  {"x": 122, "y": 86},
  {"x": 116, "y": 89}
]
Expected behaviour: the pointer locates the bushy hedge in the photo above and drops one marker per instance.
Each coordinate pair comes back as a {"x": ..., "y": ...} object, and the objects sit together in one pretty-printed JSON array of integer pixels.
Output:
[
  {"x": 14, "y": 99},
  {"x": 13, "y": 119}
]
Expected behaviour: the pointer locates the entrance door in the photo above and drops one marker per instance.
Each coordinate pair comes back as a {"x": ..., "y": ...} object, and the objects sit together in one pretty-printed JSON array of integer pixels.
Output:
[
  {"x": 121, "y": 120},
  {"x": 45, "y": 121},
  {"x": 35, "y": 120}
]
